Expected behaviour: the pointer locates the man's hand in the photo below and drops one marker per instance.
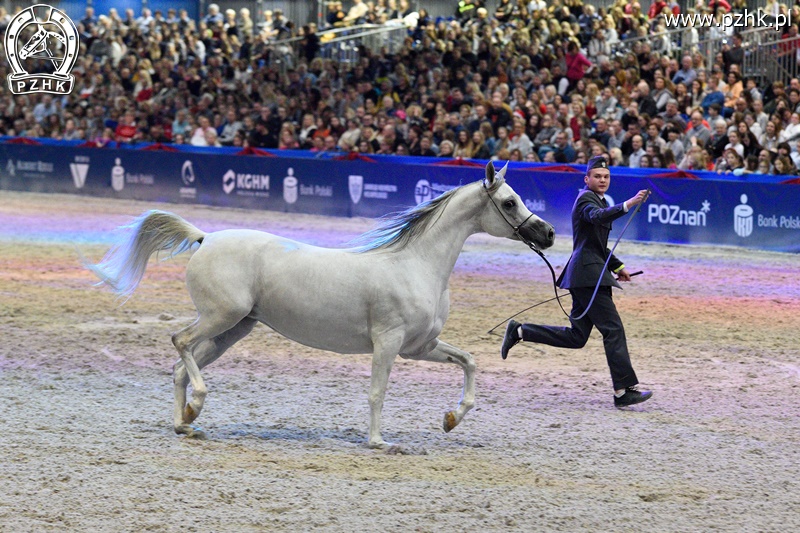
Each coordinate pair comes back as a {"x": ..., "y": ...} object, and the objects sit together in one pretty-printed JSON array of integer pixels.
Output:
[
  {"x": 623, "y": 275},
  {"x": 640, "y": 197}
]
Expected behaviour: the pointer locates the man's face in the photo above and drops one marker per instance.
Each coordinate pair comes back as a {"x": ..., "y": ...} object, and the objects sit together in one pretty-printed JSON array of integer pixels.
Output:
[
  {"x": 636, "y": 142},
  {"x": 598, "y": 180}
]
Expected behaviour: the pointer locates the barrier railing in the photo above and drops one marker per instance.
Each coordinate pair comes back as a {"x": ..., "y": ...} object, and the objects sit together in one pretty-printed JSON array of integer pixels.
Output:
[
  {"x": 740, "y": 211},
  {"x": 340, "y": 44}
]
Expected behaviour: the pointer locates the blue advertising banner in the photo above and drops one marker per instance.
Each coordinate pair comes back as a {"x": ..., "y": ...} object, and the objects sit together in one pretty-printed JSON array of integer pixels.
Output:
[{"x": 687, "y": 211}]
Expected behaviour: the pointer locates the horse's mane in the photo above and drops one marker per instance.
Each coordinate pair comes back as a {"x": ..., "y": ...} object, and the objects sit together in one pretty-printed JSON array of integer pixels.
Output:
[{"x": 396, "y": 230}]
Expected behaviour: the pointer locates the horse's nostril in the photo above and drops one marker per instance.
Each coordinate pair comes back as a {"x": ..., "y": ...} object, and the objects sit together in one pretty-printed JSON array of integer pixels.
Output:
[{"x": 551, "y": 234}]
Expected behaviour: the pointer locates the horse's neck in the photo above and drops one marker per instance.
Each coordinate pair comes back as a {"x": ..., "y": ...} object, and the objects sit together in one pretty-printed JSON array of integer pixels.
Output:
[{"x": 442, "y": 242}]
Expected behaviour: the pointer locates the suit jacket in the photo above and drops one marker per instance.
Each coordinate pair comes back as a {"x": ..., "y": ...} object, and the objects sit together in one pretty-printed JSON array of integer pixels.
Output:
[{"x": 591, "y": 224}]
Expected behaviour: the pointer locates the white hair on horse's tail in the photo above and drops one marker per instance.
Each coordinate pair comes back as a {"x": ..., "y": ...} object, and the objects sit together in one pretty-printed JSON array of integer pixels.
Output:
[{"x": 123, "y": 266}]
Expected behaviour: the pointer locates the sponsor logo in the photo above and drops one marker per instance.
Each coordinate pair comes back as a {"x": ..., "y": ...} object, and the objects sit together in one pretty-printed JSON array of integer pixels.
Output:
[
  {"x": 375, "y": 191},
  {"x": 188, "y": 179},
  {"x": 187, "y": 173},
  {"x": 41, "y": 37},
  {"x": 229, "y": 181},
  {"x": 29, "y": 169},
  {"x": 778, "y": 222},
  {"x": 536, "y": 206},
  {"x": 79, "y": 169},
  {"x": 355, "y": 184},
  {"x": 674, "y": 215},
  {"x": 290, "y": 188},
  {"x": 379, "y": 191},
  {"x": 118, "y": 175},
  {"x": 246, "y": 184},
  {"x": 119, "y": 178},
  {"x": 425, "y": 191},
  {"x": 293, "y": 189},
  {"x": 743, "y": 218}
]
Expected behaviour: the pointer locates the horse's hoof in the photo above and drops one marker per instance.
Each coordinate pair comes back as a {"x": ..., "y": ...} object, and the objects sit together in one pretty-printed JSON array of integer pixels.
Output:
[
  {"x": 378, "y": 445},
  {"x": 197, "y": 433},
  {"x": 191, "y": 432},
  {"x": 189, "y": 414},
  {"x": 449, "y": 421}
]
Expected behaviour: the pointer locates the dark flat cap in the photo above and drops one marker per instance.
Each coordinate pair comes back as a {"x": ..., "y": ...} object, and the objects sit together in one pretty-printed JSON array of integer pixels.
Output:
[{"x": 598, "y": 161}]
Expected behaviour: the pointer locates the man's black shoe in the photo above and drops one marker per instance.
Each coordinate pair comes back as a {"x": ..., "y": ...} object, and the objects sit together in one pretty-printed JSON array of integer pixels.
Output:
[
  {"x": 632, "y": 396},
  {"x": 511, "y": 338}
]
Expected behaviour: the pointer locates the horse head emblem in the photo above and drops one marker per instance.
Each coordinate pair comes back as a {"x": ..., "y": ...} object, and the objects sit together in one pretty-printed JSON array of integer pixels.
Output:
[{"x": 52, "y": 38}]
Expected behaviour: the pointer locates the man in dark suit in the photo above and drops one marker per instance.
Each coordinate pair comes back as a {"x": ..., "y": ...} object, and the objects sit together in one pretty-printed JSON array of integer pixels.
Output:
[{"x": 591, "y": 224}]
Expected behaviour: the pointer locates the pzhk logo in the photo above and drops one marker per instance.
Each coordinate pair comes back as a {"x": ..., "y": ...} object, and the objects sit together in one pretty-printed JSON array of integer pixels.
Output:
[{"x": 48, "y": 43}]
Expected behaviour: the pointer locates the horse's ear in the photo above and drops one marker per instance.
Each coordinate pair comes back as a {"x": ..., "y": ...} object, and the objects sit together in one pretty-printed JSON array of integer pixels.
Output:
[
  {"x": 502, "y": 172},
  {"x": 489, "y": 173}
]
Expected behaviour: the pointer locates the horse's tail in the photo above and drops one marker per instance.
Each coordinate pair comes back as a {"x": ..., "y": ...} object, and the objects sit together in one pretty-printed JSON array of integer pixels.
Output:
[{"x": 123, "y": 266}]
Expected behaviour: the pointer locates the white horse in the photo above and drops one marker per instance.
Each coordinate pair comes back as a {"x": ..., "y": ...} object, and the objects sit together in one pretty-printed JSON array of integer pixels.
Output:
[{"x": 387, "y": 297}]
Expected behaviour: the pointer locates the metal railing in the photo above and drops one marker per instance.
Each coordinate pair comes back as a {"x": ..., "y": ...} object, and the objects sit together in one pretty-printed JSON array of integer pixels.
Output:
[
  {"x": 765, "y": 52},
  {"x": 341, "y": 45}
]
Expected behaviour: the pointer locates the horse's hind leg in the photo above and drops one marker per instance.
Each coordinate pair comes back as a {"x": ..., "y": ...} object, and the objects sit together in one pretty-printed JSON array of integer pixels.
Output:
[
  {"x": 442, "y": 352},
  {"x": 197, "y": 349}
]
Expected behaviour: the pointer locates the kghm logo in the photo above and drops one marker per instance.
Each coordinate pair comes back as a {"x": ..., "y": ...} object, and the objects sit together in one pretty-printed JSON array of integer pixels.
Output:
[{"x": 40, "y": 38}]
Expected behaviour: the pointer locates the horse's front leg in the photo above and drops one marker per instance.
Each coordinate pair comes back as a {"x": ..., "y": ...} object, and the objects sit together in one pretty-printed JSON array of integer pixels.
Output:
[
  {"x": 442, "y": 352},
  {"x": 383, "y": 356}
]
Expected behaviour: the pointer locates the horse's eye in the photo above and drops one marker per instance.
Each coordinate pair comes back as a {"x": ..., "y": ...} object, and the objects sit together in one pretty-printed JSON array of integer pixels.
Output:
[{"x": 509, "y": 204}]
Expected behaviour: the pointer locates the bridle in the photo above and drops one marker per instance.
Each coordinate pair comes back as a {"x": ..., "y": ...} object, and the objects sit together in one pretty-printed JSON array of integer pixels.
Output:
[
  {"x": 536, "y": 249},
  {"x": 530, "y": 245}
]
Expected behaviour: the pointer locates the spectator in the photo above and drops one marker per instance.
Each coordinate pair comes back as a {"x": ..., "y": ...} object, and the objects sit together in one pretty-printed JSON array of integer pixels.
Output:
[
  {"x": 638, "y": 151},
  {"x": 446, "y": 149},
  {"x": 228, "y": 130}
]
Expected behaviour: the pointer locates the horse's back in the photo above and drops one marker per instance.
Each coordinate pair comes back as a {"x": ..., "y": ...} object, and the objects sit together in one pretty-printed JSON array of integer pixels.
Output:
[{"x": 317, "y": 296}]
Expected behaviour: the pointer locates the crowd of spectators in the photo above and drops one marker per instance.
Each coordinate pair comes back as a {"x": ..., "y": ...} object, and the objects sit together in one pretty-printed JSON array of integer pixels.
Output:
[{"x": 528, "y": 80}]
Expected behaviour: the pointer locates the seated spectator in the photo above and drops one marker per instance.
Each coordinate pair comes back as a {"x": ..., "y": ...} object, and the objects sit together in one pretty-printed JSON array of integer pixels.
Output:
[
  {"x": 783, "y": 166},
  {"x": 446, "y": 149},
  {"x": 199, "y": 137},
  {"x": 229, "y": 128},
  {"x": 562, "y": 148},
  {"x": 730, "y": 161},
  {"x": 635, "y": 157}
]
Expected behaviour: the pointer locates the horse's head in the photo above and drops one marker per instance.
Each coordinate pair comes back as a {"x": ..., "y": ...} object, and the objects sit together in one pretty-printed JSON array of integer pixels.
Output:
[
  {"x": 506, "y": 215},
  {"x": 36, "y": 40}
]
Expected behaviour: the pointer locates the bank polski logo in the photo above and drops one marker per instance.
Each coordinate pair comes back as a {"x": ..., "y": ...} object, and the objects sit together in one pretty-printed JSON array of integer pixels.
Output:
[
  {"x": 41, "y": 38},
  {"x": 11, "y": 168},
  {"x": 355, "y": 184},
  {"x": 743, "y": 218},
  {"x": 290, "y": 187},
  {"x": 187, "y": 173},
  {"x": 118, "y": 175}
]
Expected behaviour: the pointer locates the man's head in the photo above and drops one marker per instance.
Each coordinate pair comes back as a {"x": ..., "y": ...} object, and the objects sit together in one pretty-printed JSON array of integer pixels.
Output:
[{"x": 598, "y": 176}]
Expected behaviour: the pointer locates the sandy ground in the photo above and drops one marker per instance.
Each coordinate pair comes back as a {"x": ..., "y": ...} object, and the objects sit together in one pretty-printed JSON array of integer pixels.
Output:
[{"x": 86, "y": 395}]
